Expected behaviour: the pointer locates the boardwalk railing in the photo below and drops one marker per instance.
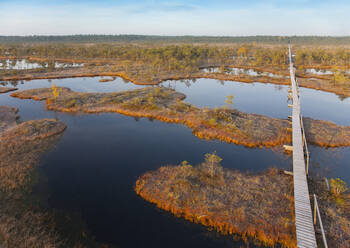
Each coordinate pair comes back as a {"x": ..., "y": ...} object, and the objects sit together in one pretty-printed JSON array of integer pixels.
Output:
[
  {"x": 307, "y": 153},
  {"x": 303, "y": 215},
  {"x": 317, "y": 211}
]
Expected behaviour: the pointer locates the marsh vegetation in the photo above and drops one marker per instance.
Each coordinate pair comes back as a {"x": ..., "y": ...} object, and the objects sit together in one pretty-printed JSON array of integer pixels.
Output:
[
  {"x": 255, "y": 206},
  {"x": 222, "y": 199}
]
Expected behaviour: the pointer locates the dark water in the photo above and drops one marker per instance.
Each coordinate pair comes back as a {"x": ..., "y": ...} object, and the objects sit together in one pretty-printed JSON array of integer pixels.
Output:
[{"x": 93, "y": 168}]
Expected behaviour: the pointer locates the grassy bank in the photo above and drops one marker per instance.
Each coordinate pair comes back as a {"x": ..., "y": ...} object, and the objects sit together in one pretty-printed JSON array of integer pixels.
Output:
[
  {"x": 6, "y": 89},
  {"x": 25, "y": 220},
  {"x": 21, "y": 145}
]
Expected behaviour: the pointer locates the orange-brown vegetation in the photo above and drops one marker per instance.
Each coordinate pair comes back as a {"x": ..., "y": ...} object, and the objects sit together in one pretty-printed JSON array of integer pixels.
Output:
[
  {"x": 6, "y": 89},
  {"x": 327, "y": 85},
  {"x": 20, "y": 145},
  {"x": 257, "y": 207},
  {"x": 39, "y": 94},
  {"x": 104, "y": 80},
  {"x": 24, "y": 222},
  {"x": 334, "y": 205},
  {"x": 20, "y": 149},
  {"x": 8, "y": 117},
  {"x": 326, "y": 133}
]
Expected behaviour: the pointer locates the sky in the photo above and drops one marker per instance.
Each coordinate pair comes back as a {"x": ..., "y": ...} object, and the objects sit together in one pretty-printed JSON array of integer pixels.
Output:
[{"x": 175, "y": 17}]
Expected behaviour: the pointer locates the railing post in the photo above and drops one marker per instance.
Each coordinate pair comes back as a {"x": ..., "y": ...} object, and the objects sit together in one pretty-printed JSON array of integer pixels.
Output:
[
  {"x": 315, "y": 209},
  {"x": 321, "y": 224},
  {"x": 327, "y": 184},
  {"x": 307, "y": 163}
]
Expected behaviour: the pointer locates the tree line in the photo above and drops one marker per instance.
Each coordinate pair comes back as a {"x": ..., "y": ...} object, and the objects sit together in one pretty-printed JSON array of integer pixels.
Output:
[
  {"x": 187, "y": 57},
  {"x": 305, "y": 40}
]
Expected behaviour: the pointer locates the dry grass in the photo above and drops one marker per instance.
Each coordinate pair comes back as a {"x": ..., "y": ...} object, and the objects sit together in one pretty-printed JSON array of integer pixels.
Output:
[
  {"x": 335, "y": 213},
  {"x": 6, "y": 89},
  {"x": 20, "y": 148},
  {"x": 104, "y": 80},
  {"x": 23, "y": 221},
  {"x": 327, "y": 85},
  {"x": 39, "y": 94},
  {"x": 326, "y": 133},
  {"x": 258, "y": 207},
  {"x": 8, "y": 117},
  {"x": 25, "y": 228}
]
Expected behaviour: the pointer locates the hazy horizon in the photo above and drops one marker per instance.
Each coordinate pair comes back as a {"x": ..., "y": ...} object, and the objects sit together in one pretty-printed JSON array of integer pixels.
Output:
[{"x": 175, "y": 18}]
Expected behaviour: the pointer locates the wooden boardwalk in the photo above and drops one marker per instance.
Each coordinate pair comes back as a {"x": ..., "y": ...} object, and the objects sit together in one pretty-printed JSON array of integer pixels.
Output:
[{"x": 303, "y": 215}]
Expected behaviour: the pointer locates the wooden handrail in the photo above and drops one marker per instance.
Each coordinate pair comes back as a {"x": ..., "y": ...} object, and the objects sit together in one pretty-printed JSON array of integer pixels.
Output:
[
  {"x": 316, "y": 209},
  {"x": 305, "y": 145}
]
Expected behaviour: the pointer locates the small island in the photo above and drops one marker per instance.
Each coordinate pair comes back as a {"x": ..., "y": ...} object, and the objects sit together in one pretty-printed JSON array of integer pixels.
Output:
[
  {"x": 256, "y": 207},
  {"x": 6, "y": 89},
  {"x": 167, "y": 105},
  {"x": 105, "y": 80},
  {"x": 21, "y": 145}
]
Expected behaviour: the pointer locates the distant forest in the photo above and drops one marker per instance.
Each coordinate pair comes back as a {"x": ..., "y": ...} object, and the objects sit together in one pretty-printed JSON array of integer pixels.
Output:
[{"x": 306, "y": 40}]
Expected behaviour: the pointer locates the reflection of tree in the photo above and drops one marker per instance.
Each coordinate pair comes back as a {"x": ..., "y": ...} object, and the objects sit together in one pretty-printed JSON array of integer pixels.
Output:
[
  {"x": 342, "y": 97},
  {"x": 26, "y": 62},
  {"x": 14, "y": 83},
  {"x": 3, "y": 64},
  {"x": 278, "y": 87},
  {"x": 187, "y": 83},
  {"x": 229, "y": 101},
  {"x": 13, "y": 63},
  {"x": 325, "y": 161}
]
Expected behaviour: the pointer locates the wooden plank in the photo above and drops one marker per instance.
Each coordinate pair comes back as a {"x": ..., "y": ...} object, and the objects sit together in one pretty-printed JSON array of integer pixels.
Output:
[{"x": 303, "y": 215}]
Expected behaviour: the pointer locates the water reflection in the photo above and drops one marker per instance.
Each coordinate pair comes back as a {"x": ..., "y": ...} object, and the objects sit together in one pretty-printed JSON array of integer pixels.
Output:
[
  {"x": 27, "y": 65},
  {"x": 241, "y": 71},
  {"x": 93, "y": 168}
]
